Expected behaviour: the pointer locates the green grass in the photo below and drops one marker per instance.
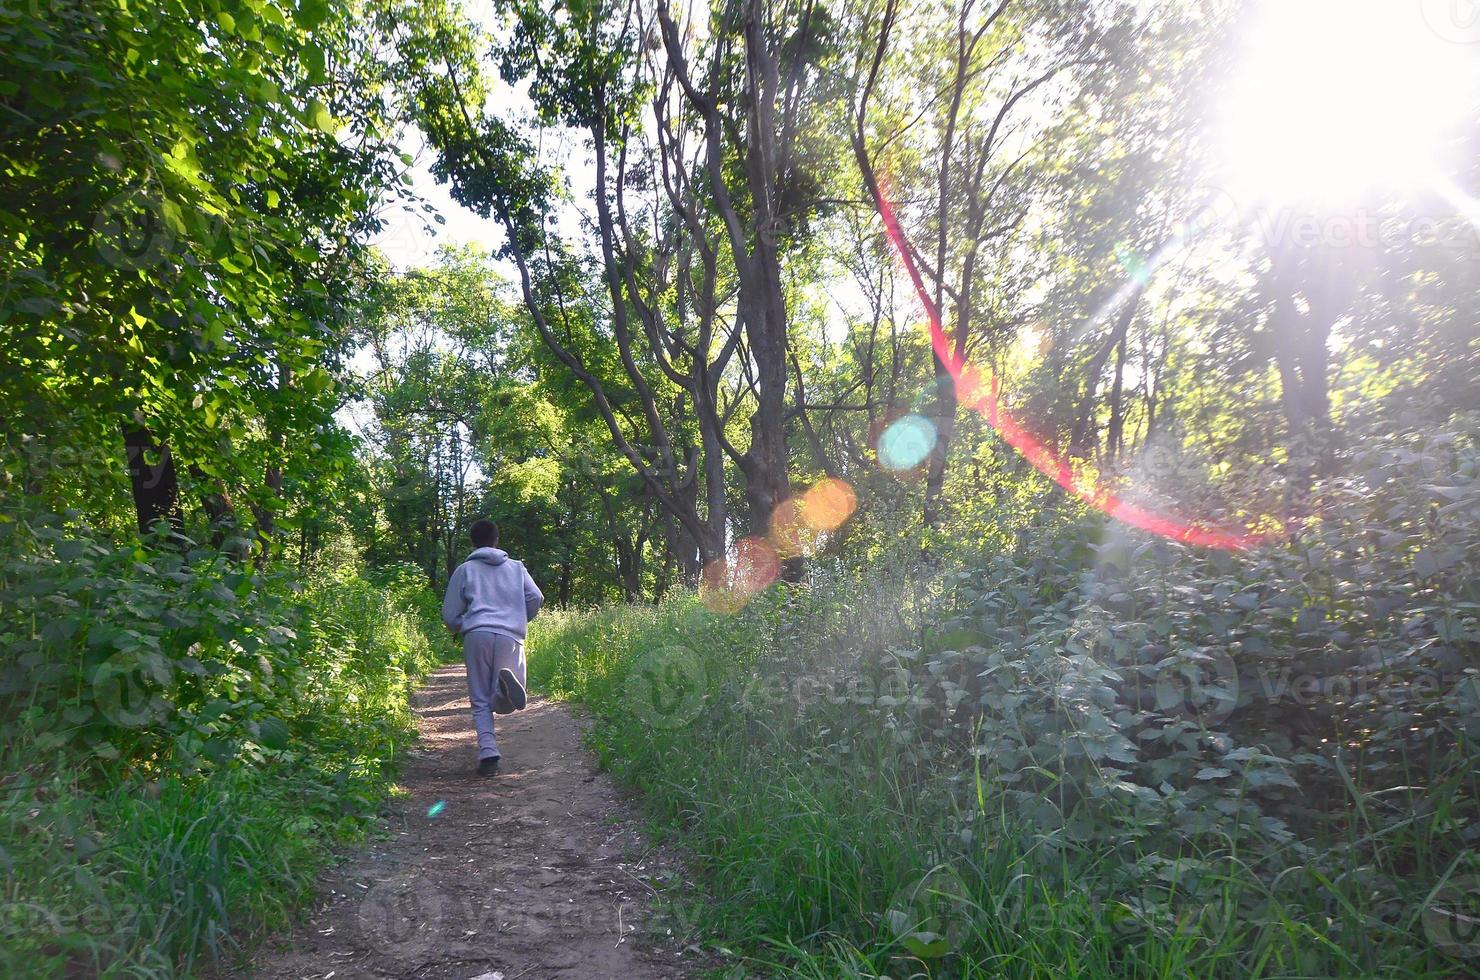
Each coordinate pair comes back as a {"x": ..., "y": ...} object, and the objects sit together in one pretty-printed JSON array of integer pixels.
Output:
[
  {"x": 163, "y": 868},
  {"x": 153, "y": 880},
  {"x": 826, "y": 847}
]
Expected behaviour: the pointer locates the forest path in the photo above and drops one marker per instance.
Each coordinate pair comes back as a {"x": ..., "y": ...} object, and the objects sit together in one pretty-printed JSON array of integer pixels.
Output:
[{"x": 536, "y": 873}]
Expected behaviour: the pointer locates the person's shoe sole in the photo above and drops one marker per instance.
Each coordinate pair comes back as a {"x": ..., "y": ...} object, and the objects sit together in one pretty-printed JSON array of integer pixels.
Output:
[
  {"x": 488, "y": 767},
  {"x": 513, "y": 690}
]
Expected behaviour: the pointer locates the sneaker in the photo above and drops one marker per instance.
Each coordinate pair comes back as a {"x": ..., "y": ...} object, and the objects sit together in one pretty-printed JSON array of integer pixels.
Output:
[
  {"x": 488, "y": 766},
  {"x": 513, "y": 690}
]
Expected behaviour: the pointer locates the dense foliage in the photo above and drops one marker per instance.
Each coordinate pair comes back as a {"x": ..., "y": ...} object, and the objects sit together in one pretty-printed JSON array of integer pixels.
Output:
[
  {"x": 162, "y": 713},
  {"x": 1084, "y": 752},
  {"x": 189, "y": 191}
]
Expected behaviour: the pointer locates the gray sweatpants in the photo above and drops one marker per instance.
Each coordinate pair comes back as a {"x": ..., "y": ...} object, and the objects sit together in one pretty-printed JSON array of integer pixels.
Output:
[{"x": 486, "y": 653}]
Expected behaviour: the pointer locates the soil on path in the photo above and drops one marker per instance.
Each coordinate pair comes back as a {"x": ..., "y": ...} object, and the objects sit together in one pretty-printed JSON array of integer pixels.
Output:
[{"x": 536, "y": 873}]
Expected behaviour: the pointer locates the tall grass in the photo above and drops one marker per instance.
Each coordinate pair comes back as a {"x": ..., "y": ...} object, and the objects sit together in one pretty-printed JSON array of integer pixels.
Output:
[
  {"x": 827, "y": 844},
  {"x": 172, "y": 858}
]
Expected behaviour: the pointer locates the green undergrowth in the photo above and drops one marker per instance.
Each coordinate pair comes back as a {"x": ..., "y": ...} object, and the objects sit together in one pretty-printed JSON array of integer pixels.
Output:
[
  {"x": 819, "y": 855},
  {"x": 828, "y": 842},
  {"x": 1072, "y": 752},
  {"x": 186, "y": 740}
]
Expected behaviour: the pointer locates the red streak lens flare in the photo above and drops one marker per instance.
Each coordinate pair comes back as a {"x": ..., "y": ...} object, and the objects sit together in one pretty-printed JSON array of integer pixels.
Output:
[{"x": 969, "y": 392}]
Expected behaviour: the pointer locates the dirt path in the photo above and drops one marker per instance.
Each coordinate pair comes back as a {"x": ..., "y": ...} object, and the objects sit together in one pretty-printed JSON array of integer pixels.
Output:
[{"x": 537, "y": 873}]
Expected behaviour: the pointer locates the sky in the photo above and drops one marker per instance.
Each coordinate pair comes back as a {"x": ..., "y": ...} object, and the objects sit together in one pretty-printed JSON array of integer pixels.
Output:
[
  {"x": 411, "y": 240},
  {"x": 407, "y": 241}
]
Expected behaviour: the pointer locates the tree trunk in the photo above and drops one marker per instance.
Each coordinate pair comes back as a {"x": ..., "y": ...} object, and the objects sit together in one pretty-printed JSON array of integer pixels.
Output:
[
  {"x": 1083, "y": 437},
  {"x": 768, "y": 477},
  {"x": 945, "y": 430},
  {"x": 664, "y": 577},
  {"x": 273, "y": 478},
  {"x": 1115, "y": 432},
  {"x": 566, "y": 564},
  {"x": 214, "y": 505},
  {"x": 152, "y": 477},
  {"x": 684, "y": 550},
  {"x": 264, "y": 527},
  {"x": 753, "y": 247},
  {"x": 629, "y": 568},
  {"x": 1317, "y": 276}
]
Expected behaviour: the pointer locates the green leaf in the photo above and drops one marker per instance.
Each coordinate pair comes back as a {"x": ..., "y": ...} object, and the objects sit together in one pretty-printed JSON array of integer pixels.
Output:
[
  {"x": 273, "y": 734},
  {"x": 38, "y": 305},
  {"x": 172, "y": 216},
  {"x": 927, "y": 945},
  {"x": 319, "y": 117},
  {"x": 311, "y": 13},
  {"x": 215, "y": 708},
  {"x": 59, "y": 631},
  {"x": 219, "y": 750},
  {"x": 313, "y": 60}
]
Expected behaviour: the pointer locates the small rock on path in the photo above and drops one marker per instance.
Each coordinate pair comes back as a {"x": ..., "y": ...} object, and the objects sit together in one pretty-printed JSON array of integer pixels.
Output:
[{"x": 537, "y": 873}]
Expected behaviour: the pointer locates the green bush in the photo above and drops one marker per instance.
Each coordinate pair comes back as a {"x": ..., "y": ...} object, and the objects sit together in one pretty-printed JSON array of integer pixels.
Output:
[{"x": 185, "y": 738}]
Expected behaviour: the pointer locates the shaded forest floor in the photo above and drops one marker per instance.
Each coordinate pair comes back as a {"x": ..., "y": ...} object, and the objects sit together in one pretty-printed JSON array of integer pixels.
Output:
[{"x": 539, "y": 872}]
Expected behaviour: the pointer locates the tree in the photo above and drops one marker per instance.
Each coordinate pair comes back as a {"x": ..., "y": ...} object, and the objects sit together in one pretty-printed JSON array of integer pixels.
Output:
[
  {"x": 182, "y": 232},
  {"x": 471, "y": 415},
  {"x": 997, "y": 78},
  {"x": 692, "y": 272}
]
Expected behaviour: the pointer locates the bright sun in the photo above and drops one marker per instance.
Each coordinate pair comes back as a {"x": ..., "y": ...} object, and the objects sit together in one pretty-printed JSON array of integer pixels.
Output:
[{"x": 1335, "y": 97}]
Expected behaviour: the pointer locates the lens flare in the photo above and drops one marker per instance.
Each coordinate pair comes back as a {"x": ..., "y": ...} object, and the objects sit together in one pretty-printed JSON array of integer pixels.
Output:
[
  {"x": 1461, "y": 201},
  {"x": 755, "y": 565},
  {"x": 436, "y": 808},
  {"x": 790, "y": 534},
  {"x": 727, "y": 584},
  {"x": 982, "y": 394},
  {"x": 828, "y": 504},
  {"x": 907, "y": 442},
  {"x": 1133, "y": 263},
  {"x": 799, "y": 523},
  {"x": 1335, "y": 98}
]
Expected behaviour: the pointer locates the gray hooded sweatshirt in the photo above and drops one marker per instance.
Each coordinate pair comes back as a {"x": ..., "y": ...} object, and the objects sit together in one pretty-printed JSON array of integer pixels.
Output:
[{"x": 491, "y": 591}]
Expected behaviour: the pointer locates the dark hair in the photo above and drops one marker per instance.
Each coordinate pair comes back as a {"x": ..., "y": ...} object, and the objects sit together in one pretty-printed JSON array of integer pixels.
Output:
[{"x": 484, "y": 533}]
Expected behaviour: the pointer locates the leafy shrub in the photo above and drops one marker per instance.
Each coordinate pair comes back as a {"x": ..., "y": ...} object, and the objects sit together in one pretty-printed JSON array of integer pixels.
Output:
[{"x": 185, "y": 737}]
